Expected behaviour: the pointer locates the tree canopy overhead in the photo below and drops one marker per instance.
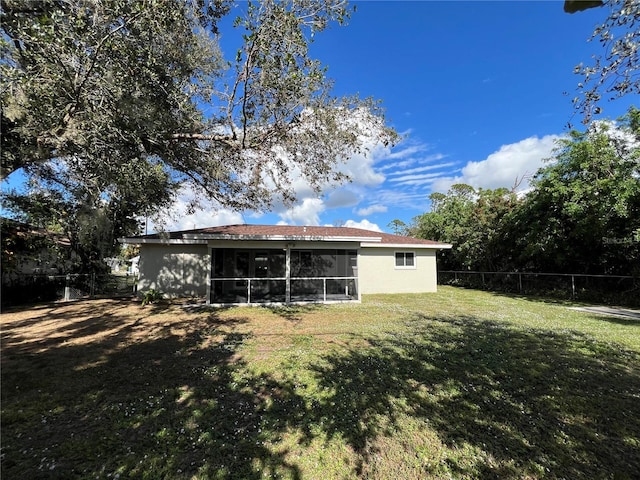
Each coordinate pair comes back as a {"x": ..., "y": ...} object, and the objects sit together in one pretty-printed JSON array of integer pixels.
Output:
[
  {"x": 114, "y": 99},
  {"x": 616, "y": 72}
]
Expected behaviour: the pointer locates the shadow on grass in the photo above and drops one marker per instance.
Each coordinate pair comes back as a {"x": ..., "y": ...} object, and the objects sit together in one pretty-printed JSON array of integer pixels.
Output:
[
  {"x": 293, "y": 313},
  {"x": 170, "y": 406},
  {"x": 526, "y": 403},
  {"x": 59, "y": 323},
  {"x": 618, "y": 320},
  {"x": 628, "y": 300},
  {"x": 534, "y": 403}
]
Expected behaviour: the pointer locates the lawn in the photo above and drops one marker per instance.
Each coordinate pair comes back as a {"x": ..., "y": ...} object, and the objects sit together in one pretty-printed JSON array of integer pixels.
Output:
[{"x": 458, "y": 384}]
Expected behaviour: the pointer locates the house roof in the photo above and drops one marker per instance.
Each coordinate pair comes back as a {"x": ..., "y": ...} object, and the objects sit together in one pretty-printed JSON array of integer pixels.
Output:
[
  {"x": 24, "y": 231},
  {"x": 285, "y": 232}
]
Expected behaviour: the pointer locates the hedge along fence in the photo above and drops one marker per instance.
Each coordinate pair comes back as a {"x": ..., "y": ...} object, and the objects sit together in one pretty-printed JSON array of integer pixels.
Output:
[
  {"x": 624, "y": 290},
  {"x": 19, "y": 289}
]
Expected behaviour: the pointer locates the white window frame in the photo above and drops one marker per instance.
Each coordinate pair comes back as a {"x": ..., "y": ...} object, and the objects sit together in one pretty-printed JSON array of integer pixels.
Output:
[{"x": 405, "y": 266}]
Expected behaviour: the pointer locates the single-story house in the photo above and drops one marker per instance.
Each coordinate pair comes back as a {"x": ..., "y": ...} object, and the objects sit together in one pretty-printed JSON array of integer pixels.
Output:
[
  {"x": 32, "y": 250},
  {"x": 246, "y": 264}
]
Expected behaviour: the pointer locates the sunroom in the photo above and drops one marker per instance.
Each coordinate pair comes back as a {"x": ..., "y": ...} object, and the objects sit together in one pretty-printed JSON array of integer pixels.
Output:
[{"x": 272, "y": 275}]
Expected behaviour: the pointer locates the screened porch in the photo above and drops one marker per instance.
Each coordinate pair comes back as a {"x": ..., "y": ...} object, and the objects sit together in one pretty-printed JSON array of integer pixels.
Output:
[{"x": 243, "y": 275}]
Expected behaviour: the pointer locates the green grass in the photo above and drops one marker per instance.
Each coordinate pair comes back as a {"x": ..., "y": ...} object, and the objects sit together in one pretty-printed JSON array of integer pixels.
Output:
[{"x": 458, "y": 384}]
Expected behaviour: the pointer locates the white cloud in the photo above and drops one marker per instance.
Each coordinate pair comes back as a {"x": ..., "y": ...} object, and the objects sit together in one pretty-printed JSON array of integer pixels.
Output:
[
  {"x": 364, "y": 224},
  {"x": 425, "y": 168},
  {"x": 399, "y": 200},
  {"x": 178, "y": 219},
  {"x": 360, "y": 167},
  {"x": 189, "y": 212},
  {"x": 371, "y": 209},
  {"x": 408, "y": 151},
  {"x": 343, "y": 197},
  {"x": 363, "y": 174},
  {"x": 367, "y": 173},
  {"x": 384, "y": 164},
  {"x": 502, "y": 168},
  {"x": 305, "y": 213},
  {"x": 423, "y": 179},
  {"x": 412, "y": 161}
]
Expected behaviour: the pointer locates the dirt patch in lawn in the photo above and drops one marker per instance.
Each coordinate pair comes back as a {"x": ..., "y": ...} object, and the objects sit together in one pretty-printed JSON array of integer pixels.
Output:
[
  {"x": 38, "y": 329},
  {"x": 121, "y": 320}
]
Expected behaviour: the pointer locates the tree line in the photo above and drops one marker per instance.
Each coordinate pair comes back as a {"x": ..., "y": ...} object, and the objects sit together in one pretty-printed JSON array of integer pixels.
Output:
[{"x": 581, "y": 213}]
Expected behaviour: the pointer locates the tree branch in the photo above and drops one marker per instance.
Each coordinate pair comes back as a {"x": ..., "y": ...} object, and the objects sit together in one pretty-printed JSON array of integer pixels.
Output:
[{"x": 228, "y": 140}]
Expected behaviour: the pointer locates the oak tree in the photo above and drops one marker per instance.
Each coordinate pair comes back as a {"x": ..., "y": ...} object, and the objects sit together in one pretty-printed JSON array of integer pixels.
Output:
[{"x": 116, "y": 97}]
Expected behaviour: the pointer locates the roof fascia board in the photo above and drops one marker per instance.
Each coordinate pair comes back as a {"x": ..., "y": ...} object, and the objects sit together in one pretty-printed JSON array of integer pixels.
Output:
[
  {"x": 162, "y": 241},
  {"x": 283, "y": 244},
  {"x": 443, "y": 246}
]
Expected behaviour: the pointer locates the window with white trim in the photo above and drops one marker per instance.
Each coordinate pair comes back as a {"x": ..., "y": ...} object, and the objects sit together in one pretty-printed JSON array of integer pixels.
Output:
[{"x": 405, "y": 260}]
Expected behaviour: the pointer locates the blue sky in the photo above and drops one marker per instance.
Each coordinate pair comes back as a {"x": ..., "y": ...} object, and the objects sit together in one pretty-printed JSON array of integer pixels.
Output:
[{"x": 477, "y": 89}]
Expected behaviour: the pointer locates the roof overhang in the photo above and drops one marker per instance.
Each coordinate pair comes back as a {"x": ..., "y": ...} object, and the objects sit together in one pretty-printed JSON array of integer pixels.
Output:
[
  {"x": 431, "y": 246},
  {"x": 204, "y": 238},
  {"x": 160, "y": 241}
]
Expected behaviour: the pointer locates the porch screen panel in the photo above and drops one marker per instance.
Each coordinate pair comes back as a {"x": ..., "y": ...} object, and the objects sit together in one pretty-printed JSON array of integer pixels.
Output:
[
  {"x": 321, "y": 274},
  {"x": 347, "y": 262},
  {"x": 269, "y": 269},
  {"x": 323, "y": 263},
  {"x": 242, "y": 275}
]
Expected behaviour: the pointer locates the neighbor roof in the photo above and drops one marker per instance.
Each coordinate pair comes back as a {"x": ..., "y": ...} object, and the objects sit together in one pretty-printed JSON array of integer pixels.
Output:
[{"x": 283, "y": 232}]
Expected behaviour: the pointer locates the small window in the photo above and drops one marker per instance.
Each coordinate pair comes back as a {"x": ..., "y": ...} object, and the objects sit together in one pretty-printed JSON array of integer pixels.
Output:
[{"x": 405, "y": 260}]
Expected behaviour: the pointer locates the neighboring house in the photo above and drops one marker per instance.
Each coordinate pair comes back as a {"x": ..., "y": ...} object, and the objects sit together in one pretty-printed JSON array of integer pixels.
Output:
[
  {"x": 133, "y": 268},
  {"x": 31, "y": 250},
  {"x": 113, "y": 263},
  {"x": 32, "y": 260},
  {"x": 240, "y": 264}
]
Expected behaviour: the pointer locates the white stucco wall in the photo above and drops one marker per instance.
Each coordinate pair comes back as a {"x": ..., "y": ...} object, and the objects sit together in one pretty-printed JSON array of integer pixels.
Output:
[
  {"x": 377, "y": 272},
  {"x": 174, "y": 270}
]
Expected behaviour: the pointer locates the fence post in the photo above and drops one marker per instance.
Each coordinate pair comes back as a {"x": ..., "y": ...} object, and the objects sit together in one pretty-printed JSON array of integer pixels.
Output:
[
  {"x": 67, "y": 288},
  {"x": 537, "y": 283}
]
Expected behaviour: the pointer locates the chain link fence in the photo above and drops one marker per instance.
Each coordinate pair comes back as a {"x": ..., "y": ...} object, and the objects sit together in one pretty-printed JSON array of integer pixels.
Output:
[
  {"x": 19, "y": 289},
  {"x": 610, "y": 289}
]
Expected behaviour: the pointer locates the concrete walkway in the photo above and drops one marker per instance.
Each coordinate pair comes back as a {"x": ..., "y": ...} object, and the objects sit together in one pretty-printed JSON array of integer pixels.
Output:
[{"x": 627, "y": 313}]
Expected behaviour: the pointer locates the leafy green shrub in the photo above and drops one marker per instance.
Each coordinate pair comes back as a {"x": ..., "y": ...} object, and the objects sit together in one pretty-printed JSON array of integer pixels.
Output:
[{"x": 151, "y": 296}]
